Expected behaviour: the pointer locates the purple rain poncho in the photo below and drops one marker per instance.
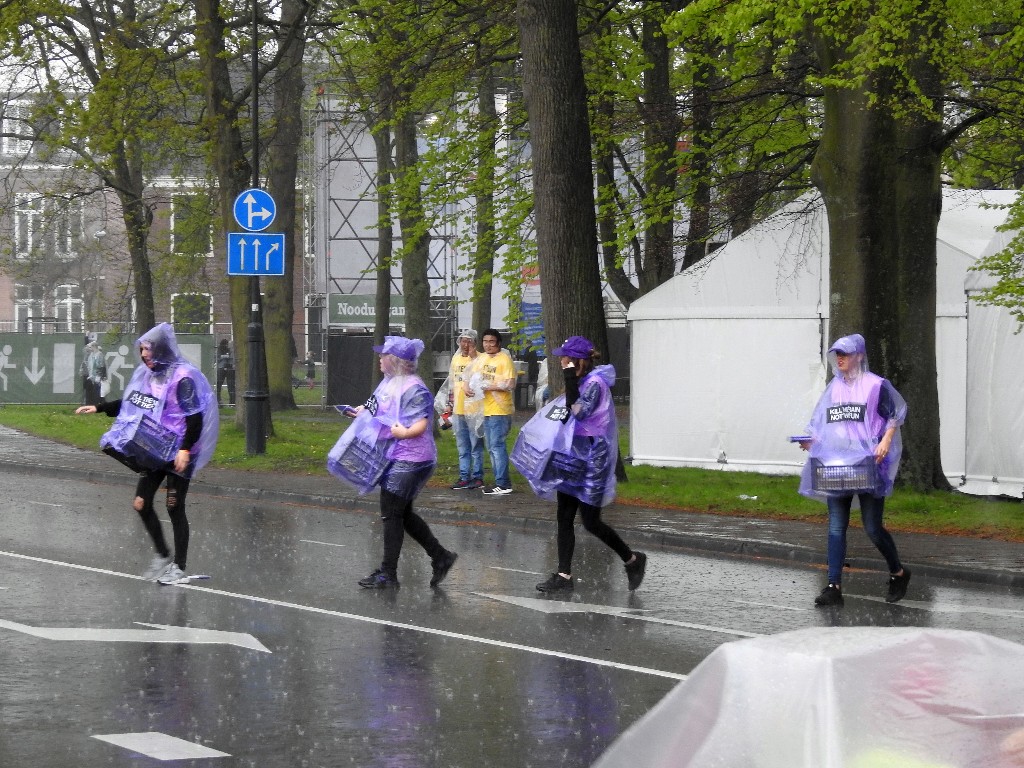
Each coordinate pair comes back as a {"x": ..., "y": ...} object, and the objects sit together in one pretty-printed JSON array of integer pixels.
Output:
[
  {"x": 576, "y": 457},
  {"x": 850, "y": 418},
  {"x": 367, "y": 455},
  {"x": 152, "y": 404}
]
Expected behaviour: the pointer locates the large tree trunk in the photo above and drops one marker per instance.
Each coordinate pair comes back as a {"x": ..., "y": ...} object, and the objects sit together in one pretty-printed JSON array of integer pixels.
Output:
[
  {"x": 233, "y": 175},
  {"x": 563, "y": 183},
  {"x": 483, "y": 188},
  {"x": 415, "y": 243},
  {"x": 661, "y": 132},
  {"x": 128, "y": 183},
  {"x": 699, "y": 170},
  {"x": 609, "y": 199},
  {"x": 137, "y": 221},
  {"x": 283, "y": 166},
  {"x": 879, "y": 177},
  {"x": 385, "y": 239}
]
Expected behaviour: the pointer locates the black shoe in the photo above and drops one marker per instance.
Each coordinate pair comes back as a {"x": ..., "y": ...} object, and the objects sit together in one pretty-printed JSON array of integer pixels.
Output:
[
  {"x": 379, "y": 580},
  {"x": 635, "y": 570},
  {"x": 442, "y": 566},
  {"x": 830, "y": 595},
  {"x": 898, "y": 587},
  {"x": 557, "y": 583}
]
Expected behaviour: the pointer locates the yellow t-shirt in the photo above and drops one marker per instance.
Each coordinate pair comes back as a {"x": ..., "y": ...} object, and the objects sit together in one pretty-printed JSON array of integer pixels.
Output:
[
  {"x": 455, "y": 378},
  {"x": 498, "y": 370}
]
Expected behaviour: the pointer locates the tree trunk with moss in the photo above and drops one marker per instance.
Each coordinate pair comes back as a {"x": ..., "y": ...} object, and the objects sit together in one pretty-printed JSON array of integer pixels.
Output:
[
  {"x": 282, "y": 176},
  {"x": 415, "y": 243},
  {"x": 233, "y": 175},
  {"x": 563, "y": 182},
  {"x": 879, "y": 174}
]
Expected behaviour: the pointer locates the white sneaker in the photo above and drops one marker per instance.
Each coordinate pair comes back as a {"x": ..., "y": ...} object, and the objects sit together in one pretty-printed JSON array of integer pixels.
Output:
[
  {"x": 497, "y": 491},
  {"x": 173, "y": 575},
  {"x": 157, "y": 568}
]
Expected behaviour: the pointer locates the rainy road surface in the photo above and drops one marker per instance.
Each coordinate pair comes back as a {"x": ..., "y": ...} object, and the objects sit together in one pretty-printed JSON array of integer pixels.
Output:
[{"x": 281, "y": 660}]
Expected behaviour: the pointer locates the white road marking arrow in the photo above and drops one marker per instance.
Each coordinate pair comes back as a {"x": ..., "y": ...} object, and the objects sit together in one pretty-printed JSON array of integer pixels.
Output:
[
  {"x": 559, "y": 606},
  {"x": 36, "y": 373},
  {"x": 163, "y": 634}
]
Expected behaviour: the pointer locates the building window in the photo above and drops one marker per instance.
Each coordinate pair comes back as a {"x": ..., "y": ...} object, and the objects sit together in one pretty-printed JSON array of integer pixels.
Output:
[
  {"x": 68, "y": 308},
  {"x": 47, "y": 227},
  {"x": 29, "y": 314},
  {"x": 192, "y": 313},
  {"x": 190, "y": 225},
  {"x": 14, "y": 129},
  {"x": 28, "y": 224},
  {"x": 68, "y": 224}
]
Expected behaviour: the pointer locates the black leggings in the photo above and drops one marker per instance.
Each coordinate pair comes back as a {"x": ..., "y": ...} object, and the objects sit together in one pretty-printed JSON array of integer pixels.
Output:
[
  {"x": 399, "y": 518},
  {"x": 592, "y": 523},
  {"x": 177, "y": 489}
]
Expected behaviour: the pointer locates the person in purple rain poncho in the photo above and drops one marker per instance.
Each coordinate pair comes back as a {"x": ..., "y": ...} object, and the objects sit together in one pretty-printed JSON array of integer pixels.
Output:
[
  {"x": 855, "y": 447},
  {"x": 568, "y": 451},
  {"x": 390, "y": 444},
  {"x": 175, "y": 398}
]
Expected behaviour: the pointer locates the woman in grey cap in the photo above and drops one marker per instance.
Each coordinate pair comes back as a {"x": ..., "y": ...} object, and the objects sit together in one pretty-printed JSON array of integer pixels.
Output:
[{"x": 855, "y": 448}]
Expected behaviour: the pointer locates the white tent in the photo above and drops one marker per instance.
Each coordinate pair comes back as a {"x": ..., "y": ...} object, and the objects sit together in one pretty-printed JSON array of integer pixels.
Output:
[{"x": 728, "y": 358}]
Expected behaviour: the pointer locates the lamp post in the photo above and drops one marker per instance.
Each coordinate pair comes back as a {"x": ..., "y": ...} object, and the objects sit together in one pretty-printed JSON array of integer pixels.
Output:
[{"x": 256, "y": 395}]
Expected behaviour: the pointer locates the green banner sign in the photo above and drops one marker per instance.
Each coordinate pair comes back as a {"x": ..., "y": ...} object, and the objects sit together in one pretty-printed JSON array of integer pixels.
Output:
[
  {"x": 361, "y": 309},
  {"x": 46, "y": 368}
]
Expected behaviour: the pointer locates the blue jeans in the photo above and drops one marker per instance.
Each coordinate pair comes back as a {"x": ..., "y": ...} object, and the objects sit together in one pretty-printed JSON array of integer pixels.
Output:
[
  {"x": 871, "y": 508},
  {"x": 470, "y": 447},
  {"x": 496, "y": 429}
]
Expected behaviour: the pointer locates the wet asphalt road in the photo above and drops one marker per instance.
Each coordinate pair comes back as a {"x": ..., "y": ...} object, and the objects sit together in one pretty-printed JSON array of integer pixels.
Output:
[{"x": 484, "y": 671}]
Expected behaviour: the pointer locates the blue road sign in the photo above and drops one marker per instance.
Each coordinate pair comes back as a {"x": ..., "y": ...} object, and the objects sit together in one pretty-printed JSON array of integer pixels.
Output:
[
  {"x": 251, "y": 253},
  {"x": 254, "y": 210}
]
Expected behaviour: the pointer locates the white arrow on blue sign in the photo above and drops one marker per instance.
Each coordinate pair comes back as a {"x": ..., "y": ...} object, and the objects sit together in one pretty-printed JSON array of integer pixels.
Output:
[
  {"x": 254, "y": 210},
  {"x": 252, "y": 253}
]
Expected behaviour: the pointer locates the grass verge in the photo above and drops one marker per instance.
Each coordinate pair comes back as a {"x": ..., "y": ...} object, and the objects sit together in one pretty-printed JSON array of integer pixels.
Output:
[{"x": 303, "y": 437}]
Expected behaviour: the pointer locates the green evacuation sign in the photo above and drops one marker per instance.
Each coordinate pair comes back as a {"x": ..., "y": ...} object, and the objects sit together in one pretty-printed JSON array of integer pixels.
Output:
[
  {"x": 46, "y": 368},
  {"x": 361, "y": 309}
]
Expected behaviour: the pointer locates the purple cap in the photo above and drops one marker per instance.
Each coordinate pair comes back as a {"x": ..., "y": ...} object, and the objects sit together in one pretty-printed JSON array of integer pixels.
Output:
[
  {"x": 399, "y": 346},
  {"x": 575, "y": 347},
  {"x": 849, "y": 345}
]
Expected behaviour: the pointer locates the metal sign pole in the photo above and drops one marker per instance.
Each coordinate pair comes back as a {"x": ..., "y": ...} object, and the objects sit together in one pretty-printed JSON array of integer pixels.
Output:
[{"x": 256, "y": 395}]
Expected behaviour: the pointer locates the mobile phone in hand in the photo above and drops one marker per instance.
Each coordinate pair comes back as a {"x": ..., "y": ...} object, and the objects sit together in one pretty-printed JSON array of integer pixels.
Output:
[{"x": 346, "y": 410}]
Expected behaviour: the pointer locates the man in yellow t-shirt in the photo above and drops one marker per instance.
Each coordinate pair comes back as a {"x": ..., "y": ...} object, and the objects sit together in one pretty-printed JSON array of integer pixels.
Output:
[
  {"x": 499, "y": 379},
  {"x": 468, "y": 441}
]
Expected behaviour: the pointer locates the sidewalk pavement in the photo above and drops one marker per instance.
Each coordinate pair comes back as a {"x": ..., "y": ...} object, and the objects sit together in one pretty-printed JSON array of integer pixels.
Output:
[{"x": 984, "y": 561}]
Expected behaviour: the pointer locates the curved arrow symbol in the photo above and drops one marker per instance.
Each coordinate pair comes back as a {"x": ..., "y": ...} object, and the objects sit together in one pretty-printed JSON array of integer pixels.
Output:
[{"x": 161, "y": 633}]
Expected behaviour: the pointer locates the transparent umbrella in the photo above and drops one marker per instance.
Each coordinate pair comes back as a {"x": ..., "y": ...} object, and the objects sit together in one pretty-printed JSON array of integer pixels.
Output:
[{"x": 857, "y": 697}]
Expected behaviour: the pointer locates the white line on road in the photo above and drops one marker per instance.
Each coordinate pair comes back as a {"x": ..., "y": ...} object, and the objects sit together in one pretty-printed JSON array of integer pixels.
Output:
[
  {"x": 770, "y": 605},
  {"x": 42, "y": 503},
  {"x": 325, "y": 543},
  {"x": 371, "y": 620},
  {"x": 565, "y": 606},
  {"x": 513, "y": 570}
]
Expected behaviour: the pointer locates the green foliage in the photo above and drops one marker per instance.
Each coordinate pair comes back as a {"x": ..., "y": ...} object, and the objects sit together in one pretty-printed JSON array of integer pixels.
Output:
[{"x": 1007, "y": 267}]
